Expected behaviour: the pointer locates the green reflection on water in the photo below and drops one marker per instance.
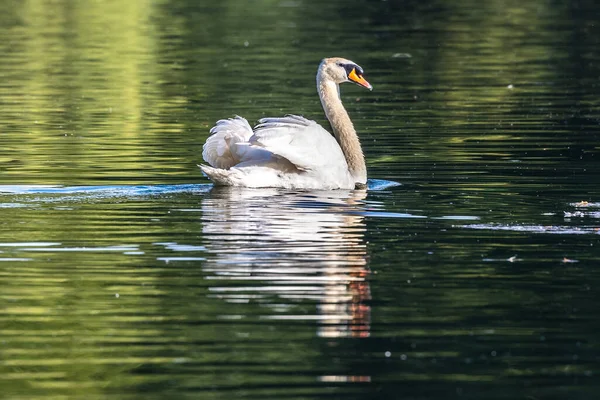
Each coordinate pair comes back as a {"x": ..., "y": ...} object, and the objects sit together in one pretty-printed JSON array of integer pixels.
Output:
[{"x": 483, "y": 109}]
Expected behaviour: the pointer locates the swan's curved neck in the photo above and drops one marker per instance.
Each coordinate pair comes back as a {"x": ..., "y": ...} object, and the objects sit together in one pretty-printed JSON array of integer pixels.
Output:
[{"x": 343, "y": 129}]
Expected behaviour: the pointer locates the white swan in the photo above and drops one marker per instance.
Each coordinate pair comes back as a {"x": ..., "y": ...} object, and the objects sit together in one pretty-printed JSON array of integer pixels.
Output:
[{"x": 292, "y": 152}]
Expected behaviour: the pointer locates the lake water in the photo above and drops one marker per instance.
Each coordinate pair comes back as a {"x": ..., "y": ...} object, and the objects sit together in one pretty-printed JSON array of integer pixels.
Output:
[{"x": 125, "y": 275}]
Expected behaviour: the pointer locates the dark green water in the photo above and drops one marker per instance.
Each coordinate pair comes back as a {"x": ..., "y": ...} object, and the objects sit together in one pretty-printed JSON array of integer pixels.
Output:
[{"x": 131, "y": 278}]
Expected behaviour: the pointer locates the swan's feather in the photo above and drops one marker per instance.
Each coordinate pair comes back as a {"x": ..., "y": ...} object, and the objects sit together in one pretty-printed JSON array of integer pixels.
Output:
[
  {"x": 302, "y": 142},
  {"x": 228, "y": 143},
  {"x": 288, "y": 120}
]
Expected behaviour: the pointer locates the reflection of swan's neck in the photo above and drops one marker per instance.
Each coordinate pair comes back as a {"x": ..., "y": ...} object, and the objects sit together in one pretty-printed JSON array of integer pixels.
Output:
[{"x": 342, "y": 128}]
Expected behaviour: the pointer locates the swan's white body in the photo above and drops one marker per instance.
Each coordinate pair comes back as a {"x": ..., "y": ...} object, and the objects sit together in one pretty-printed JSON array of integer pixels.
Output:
[{"x": 292, "y": 152}]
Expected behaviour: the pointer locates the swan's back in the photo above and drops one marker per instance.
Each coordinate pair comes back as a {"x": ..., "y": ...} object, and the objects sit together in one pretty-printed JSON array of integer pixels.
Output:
[{"x": 301, "y": 141}]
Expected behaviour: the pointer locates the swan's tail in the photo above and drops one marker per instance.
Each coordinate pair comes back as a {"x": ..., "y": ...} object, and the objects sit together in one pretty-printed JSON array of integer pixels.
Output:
[
  {"x": 227, "y": 144},
  {"x": 220, "y": 177},
  {"x": 225, "y": 177},
  {"x": 263, "y": 177}
]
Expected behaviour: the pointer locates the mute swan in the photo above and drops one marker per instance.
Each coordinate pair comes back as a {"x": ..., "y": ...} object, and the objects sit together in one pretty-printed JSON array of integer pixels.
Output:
[{"x": 292, "y": 152}]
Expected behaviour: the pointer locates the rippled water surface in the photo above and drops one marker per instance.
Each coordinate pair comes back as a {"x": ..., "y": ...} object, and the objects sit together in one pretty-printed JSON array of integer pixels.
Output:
[{"x": 468, "y": 269}]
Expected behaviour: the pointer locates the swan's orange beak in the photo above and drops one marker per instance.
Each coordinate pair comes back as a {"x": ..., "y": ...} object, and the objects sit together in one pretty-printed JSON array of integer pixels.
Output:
[{"x": 358, "y": 79}]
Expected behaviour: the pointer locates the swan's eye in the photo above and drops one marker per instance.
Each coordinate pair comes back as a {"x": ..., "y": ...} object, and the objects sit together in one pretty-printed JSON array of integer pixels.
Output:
[
  {"x": 339, "y": 64},
  {"x": 350, "y": 67}
]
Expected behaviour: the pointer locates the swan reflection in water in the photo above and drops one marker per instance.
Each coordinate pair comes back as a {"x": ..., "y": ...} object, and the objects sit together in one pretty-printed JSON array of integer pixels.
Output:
[{"x": 297, "y": 246}]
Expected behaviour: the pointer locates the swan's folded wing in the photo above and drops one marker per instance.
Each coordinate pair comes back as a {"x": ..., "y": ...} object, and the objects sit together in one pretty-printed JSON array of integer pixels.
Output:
[
  {"x": 228, "y": 144},
  {"x": 303, "y": 142}
]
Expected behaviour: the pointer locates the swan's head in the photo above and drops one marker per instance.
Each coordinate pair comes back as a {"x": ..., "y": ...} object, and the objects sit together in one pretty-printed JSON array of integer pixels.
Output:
[{"x": 341, "y": 70}]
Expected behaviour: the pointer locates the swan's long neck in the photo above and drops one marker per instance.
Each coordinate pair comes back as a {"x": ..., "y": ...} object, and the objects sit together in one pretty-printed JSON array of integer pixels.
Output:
[{"x": 342, "y": 128}]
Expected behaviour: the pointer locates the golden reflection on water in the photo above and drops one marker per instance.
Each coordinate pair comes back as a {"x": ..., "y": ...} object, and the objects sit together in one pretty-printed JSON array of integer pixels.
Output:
[{"x": 292, "y": 247}]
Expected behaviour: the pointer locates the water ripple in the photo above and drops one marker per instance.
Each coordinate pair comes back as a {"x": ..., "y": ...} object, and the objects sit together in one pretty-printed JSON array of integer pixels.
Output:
[
  {"x": 103, "y": 191},
  {"x": 552, "y": 229}
]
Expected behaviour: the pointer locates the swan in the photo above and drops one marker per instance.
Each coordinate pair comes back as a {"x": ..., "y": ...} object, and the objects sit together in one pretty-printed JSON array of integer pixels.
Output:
[{"x": 292, "y": 152}]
